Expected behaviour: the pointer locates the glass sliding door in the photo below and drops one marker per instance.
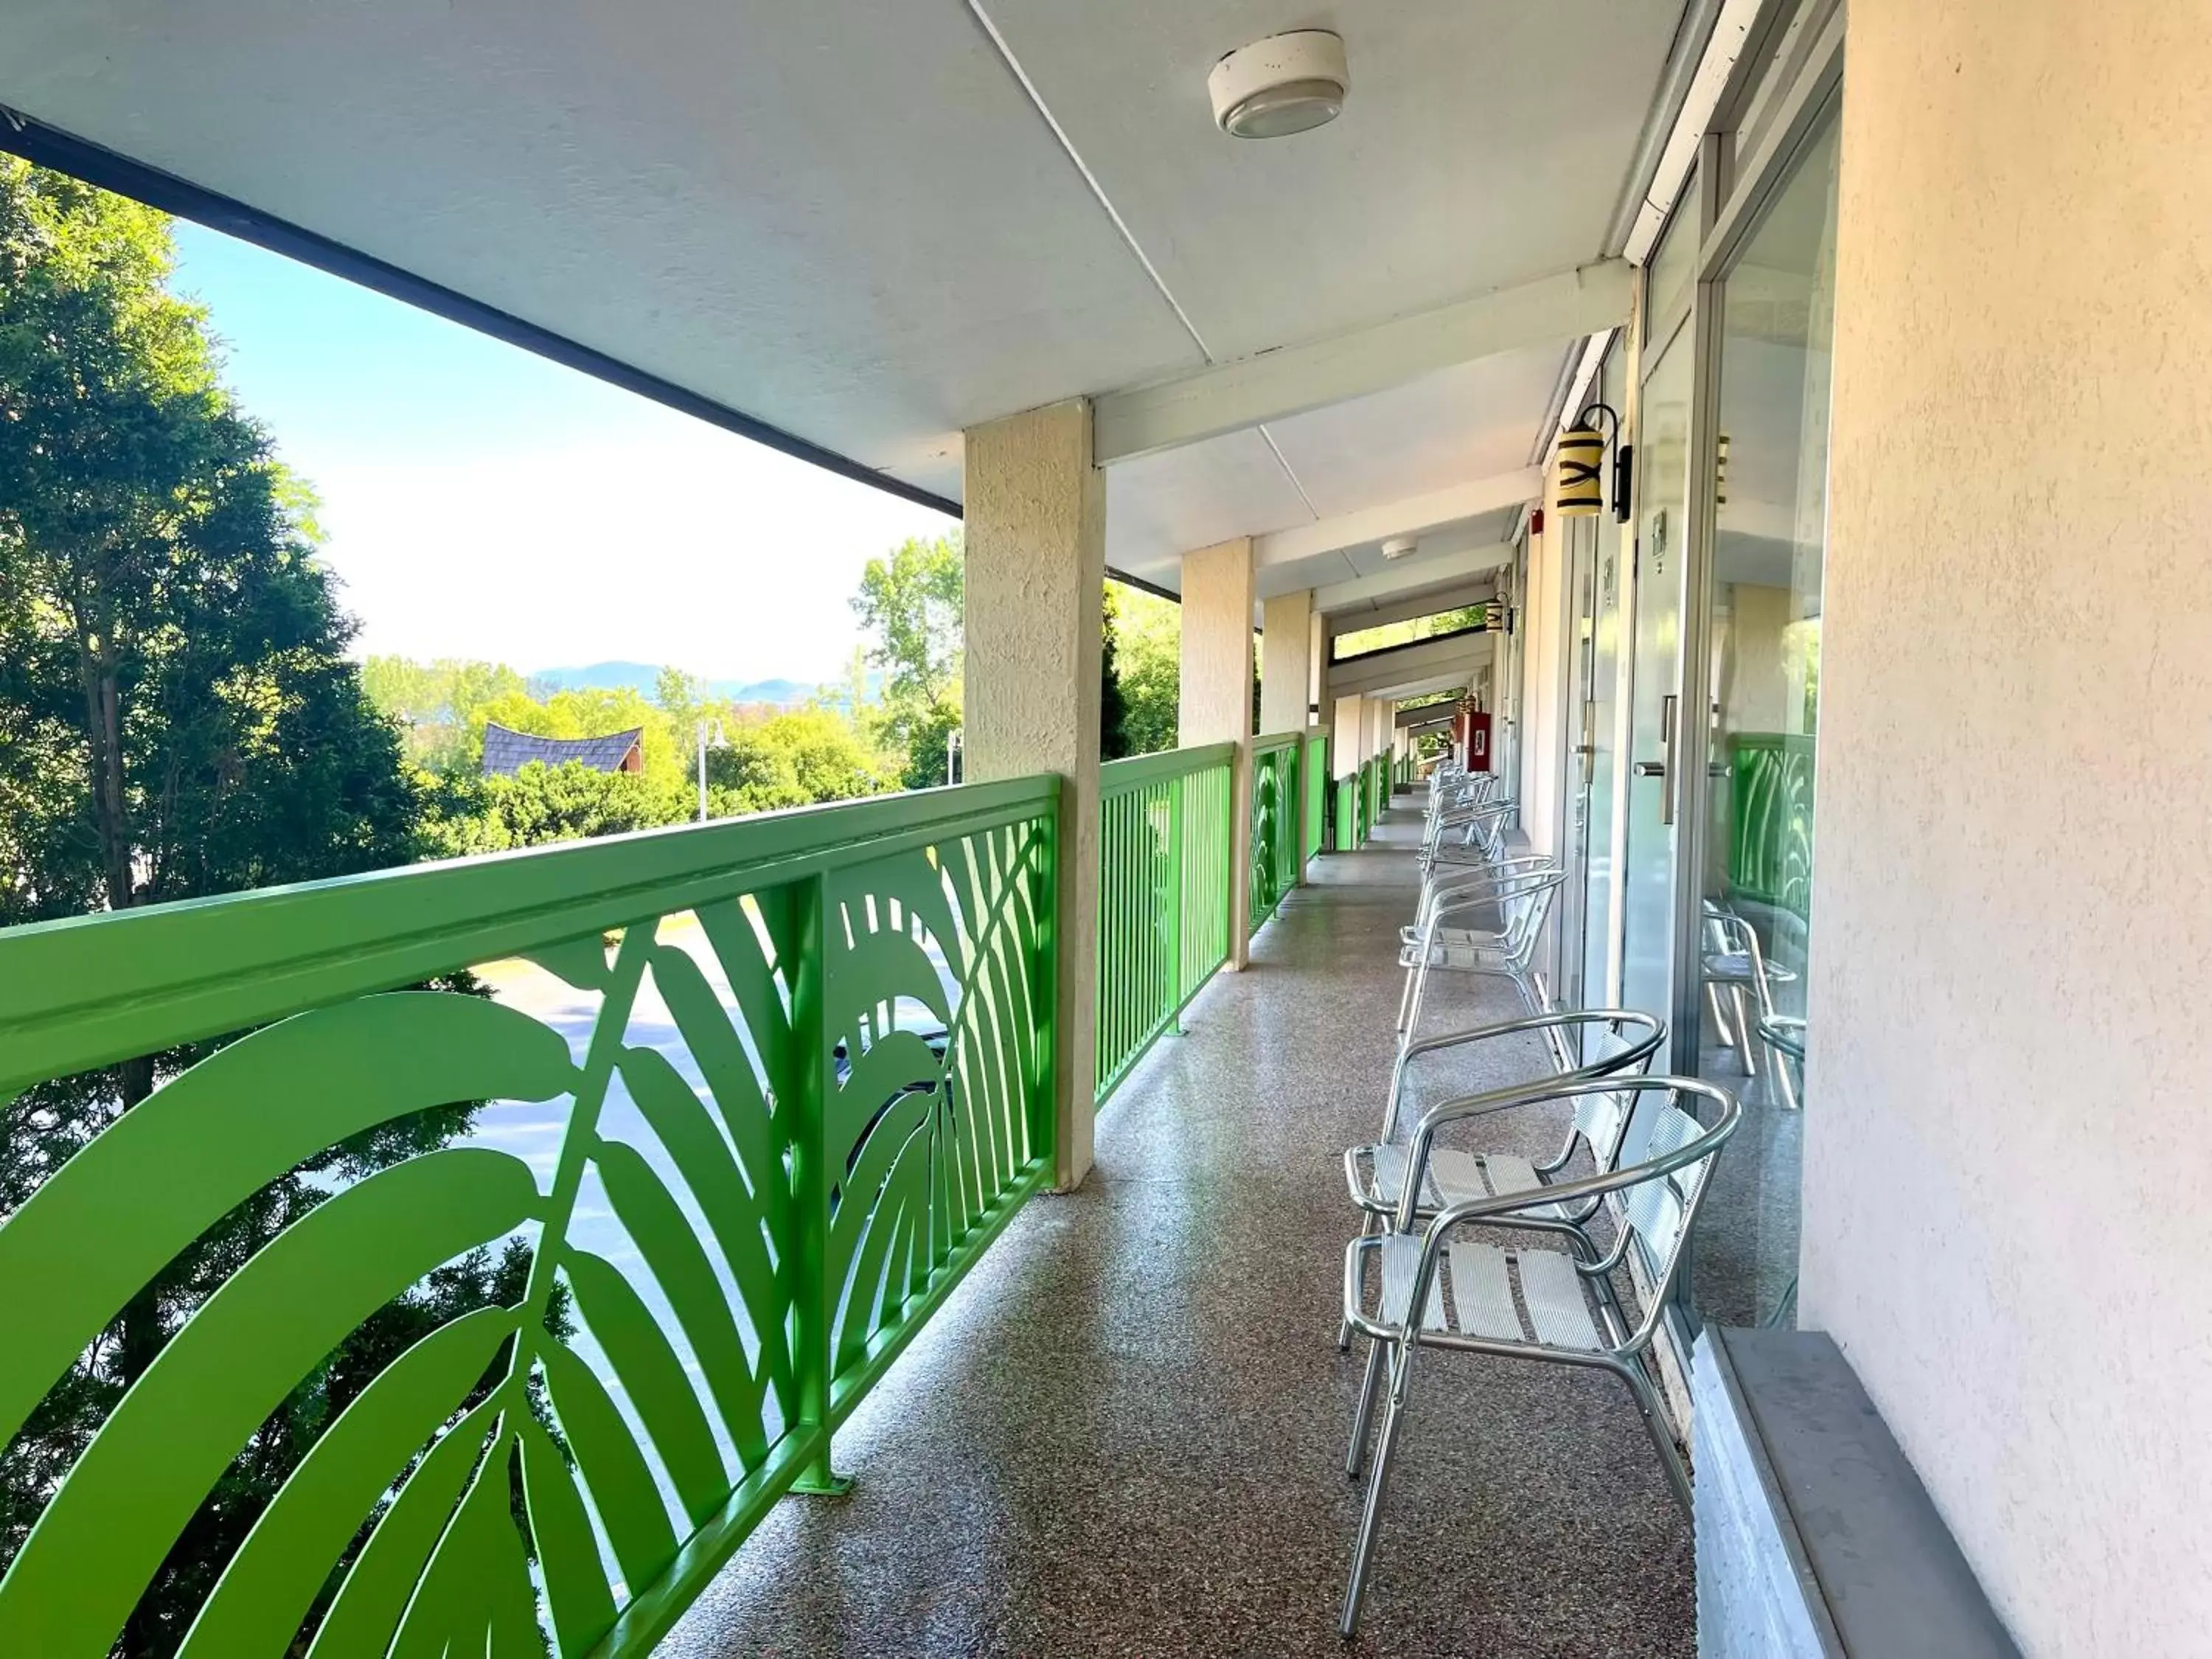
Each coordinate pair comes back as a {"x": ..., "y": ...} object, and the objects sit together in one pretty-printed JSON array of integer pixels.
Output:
[
  {"x": 1662, "y": 460},
  {"x": 1597, "y": 741},
  {"x": 1760, "y": 680},
  {"x": 1582, "y": 537}
]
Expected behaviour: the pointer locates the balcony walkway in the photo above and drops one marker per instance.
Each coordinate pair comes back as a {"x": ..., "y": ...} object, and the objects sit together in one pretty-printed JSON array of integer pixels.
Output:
[{"x": 1125, "y": 1434}]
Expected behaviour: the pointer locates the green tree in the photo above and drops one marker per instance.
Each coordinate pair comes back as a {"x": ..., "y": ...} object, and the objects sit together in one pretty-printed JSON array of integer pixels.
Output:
[
  {"x": 541, "y": 805},
  {"x": 180, "y": 720},
  {"x": 1148, "y": 649},
  {"x": 1112, "y": 703},
  {"x": 791, "y": 759},
  {"x": 912, "y": 603}
]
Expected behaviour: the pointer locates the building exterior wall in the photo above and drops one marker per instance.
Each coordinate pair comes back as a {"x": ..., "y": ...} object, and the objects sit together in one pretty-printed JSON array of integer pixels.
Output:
[{"x": 2009, "y": 1140}]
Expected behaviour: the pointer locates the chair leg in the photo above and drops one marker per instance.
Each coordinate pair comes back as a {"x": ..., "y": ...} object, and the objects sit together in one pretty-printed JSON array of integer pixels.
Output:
[
  {"x": 1656, "y": 1426},
  {"x": 1371, "y": 1519},
  {"x": 1721, "y": 1028},
  {"x": 1748, "y": 1052},
  {"x": 1370, "y": 1385}
]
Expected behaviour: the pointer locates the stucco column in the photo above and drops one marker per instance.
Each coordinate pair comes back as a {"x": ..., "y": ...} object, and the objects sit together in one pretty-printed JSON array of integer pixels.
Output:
[
  {"x": 1286, "y": 662},
  {"x": 1036, "y": 543},
  {"x": 1216, "y": 705}
]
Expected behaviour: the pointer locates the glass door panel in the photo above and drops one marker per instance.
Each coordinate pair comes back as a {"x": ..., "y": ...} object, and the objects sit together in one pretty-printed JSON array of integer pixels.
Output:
[
  {"x": 1582, "y": 537},
  {"x": 1662, "y": 458},
  {"x": 1762, "y": 683},
  {"x": 1598, "y": 738}
]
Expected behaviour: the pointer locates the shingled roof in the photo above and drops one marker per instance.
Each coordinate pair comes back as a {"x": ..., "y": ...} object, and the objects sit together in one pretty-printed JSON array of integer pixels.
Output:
[{"x": 506, "y": 752}]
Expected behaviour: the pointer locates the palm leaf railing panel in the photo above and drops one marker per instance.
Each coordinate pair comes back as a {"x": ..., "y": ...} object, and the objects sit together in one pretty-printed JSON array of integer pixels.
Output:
[
  {"x": 802, "y": 1075},
  {"x": 1770, "y": 833},
  {"x": 1273, "y": 853},
  {"x": 1313, "y": 774},
  {"x": 1164, "y": 874}
]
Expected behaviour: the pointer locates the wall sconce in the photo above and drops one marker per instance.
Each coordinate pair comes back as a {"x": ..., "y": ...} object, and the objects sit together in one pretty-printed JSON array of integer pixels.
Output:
[{"x": 1582, "y": 459}]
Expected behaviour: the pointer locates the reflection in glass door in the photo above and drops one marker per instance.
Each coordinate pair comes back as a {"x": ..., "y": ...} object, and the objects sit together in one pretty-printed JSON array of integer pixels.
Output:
[
  {"x": 1597, "y": 740},
  {"x": 1762, "y": 677},
  {"x": 1661, "y": 549},
  {"x": 1575, "y": 989}
]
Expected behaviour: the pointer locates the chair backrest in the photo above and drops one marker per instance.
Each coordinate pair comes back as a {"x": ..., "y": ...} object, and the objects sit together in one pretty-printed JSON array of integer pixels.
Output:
[
  {"x": 1522, "y": 902},
  {"x": 1621, "y": 1046},
  {"x": 1659, "y": 1211},
  {"x": 1616, "y": 1042}
]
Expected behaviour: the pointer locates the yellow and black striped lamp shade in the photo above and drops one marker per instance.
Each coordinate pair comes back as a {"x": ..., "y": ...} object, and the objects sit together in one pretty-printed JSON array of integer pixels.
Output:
[{"x": 1582, "y": 465}]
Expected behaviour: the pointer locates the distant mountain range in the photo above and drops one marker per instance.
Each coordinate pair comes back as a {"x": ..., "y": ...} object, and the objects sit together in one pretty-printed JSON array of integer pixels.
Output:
[{"x": 643, "y": 677}]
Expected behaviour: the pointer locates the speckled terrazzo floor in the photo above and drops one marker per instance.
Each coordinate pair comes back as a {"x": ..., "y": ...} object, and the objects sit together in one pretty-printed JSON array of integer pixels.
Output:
[{"x": 1125, "y": 1434}]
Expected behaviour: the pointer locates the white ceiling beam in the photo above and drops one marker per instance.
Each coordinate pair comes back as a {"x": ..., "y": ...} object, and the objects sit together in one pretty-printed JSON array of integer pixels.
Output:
[
  {"x": 1473, "y": 591},
  {"x": 1272, "y": 386},
  {"x": 1409, "y": 517},
  {"x": 1411, "y": 575},
  {"x": 1407, "y": 670}
]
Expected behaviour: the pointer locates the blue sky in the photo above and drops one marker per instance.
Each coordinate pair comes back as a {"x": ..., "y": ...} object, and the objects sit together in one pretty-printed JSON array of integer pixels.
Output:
[{"x": 480, "y": 501}]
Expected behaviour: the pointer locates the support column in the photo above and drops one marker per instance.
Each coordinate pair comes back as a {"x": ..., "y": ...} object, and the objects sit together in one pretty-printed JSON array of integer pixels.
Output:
[
  {"x": 1348, "y": 724},
  {"x": 1216, "y": 705},
  {"x": 1286, "y": 670},
  {"x": 1036, "y": 543},
  {"x": 1286, "y": 662}
]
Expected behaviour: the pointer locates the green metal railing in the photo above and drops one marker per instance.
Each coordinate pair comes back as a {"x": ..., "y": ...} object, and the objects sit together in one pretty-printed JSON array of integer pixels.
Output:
[
  {"x": 1164, "y": 873},
  {"x": 1351, "y": 814},
  {"x": 1275, "y": 857},
  {"x": 1770, "y": 818},
  {"x": 1313, "y": 774},
  {"x": 794, "y": 1073}
]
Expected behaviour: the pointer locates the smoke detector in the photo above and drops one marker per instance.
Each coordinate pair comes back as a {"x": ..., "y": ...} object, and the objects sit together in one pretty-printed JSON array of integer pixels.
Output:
[
  {"x": 1399, "y": 546},
  {"x": 1284, "y": 85}
]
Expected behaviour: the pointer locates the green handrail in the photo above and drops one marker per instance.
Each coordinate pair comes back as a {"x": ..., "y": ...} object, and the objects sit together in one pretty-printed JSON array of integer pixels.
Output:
[
  {"x": 1163, "y": 871},
  {"x": 1274, "y": 859},
  {"x": 812, "y": 1077}
]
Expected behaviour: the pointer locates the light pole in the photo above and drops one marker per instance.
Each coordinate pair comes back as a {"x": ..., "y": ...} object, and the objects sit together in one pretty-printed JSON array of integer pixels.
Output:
[{"x": 710, "y": 736}]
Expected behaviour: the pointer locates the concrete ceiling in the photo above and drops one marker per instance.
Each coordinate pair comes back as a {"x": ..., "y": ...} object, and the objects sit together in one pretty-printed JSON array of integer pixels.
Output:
[{"x": 870, "y": 225}]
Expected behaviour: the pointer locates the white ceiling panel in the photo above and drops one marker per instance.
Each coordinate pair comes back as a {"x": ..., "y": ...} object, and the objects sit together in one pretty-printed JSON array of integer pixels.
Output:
[
  {"x": 1161, "y": 507},
  {"x": 1477, "y": 420},
  {"x": 852, "y": 220},
  {"x": 843, "y": 217},
  {"x": 1483, "y": 143}
]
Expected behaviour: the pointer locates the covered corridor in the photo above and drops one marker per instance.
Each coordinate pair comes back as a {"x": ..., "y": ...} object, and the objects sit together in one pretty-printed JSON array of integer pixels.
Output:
[{"x": 1125, "y": 1433}]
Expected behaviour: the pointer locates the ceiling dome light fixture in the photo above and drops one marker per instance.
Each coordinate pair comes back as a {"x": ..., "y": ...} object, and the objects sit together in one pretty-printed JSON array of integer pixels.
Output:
[{"x": 1284, "y": 85}]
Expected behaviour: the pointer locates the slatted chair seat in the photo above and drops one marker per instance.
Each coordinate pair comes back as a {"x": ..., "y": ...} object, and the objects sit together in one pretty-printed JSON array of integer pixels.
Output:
[
  {"x": 1454, "y": 1176},
  {"x": 1551, "y": 1310},
  {"x": 1471, "y": 952}
]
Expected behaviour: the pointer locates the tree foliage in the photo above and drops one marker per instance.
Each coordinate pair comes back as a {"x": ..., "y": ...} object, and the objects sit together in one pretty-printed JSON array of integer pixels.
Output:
[
  {"x": 1148, "y": 642},
  {"x": 179, "y": 719}
]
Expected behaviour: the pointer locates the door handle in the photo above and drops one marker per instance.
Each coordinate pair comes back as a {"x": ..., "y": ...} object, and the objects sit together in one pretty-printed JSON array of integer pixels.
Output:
[
  {"x": 1670, "y": 733},
  {"x": 1650, "y": 769}
]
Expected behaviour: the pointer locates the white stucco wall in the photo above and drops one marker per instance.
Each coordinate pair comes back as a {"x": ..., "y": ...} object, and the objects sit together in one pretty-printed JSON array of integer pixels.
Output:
[
  {"x": 2009, "y": 1136},
  {"x": 1286, "y": 662},
  {"x": 1216, "y": 701},
  {"x": 1036, "y": 541}
]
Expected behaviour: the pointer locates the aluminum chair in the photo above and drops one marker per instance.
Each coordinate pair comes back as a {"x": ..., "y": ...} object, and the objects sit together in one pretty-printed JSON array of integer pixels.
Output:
[
  {"x": 1484, "y": 922},
  {"x": 1734, "y": 967},
  {"x": 1567, "y": 1311},
  {"x": 1610, "y": 1043}
]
